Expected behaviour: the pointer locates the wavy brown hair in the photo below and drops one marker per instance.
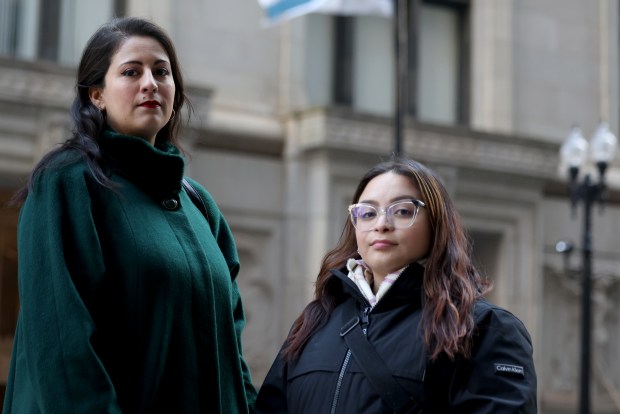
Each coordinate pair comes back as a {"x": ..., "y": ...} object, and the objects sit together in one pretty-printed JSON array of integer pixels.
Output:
[
  {"x": 451, "y": 281},
  {"x": 88, "y": 121}
]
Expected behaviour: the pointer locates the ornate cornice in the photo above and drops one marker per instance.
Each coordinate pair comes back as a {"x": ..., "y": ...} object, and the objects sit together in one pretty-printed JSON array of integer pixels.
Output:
[
  {"x": 36, "y": 83},
  {"x": 344, "y": 130}
]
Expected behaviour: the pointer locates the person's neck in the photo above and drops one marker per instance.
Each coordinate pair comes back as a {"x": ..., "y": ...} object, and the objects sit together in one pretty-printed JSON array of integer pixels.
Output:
[{"x": 376, "y": 280}]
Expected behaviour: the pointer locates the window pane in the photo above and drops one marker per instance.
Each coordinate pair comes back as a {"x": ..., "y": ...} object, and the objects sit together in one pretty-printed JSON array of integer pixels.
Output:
[
  {"x": 318, "y": 77},
  {"x": 438, "y": 63},
  {"x": 80, "y": 18},
  {"x": 362, "y": 69},
  {"x": 438, "y": 70},
  {"x": 55, "y": 30},
  {"x": 19, "y": 22},
  {"x": 8, "y": 16},
  {"x": 49, "y": 20},
  {"x": 373, "y": 62}
]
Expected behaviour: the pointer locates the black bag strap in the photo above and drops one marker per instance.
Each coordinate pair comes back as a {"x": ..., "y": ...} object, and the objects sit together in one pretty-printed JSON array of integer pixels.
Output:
[
  {"x": 372, "y": 364},
  {"x": 195, "y": 197}
]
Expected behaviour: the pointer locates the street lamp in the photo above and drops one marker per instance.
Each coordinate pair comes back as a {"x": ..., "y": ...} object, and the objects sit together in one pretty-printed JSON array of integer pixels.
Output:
[{"x": 574, "y": 157}]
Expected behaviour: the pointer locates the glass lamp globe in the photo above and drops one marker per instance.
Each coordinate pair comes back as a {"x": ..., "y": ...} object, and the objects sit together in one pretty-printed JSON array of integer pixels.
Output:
[
  {"x": 603, "y": 144},
  {"x": 574, "y": 150}
]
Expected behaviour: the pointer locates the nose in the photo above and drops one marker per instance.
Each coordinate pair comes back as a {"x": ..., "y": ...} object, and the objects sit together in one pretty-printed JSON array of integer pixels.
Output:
[
  {"x": 383, "y": 222},
  {"x": 149, "y": 83}
]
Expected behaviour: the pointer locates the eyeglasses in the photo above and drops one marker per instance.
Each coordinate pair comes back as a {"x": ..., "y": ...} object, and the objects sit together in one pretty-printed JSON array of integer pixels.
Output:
[{"x": 400, "y": 215}]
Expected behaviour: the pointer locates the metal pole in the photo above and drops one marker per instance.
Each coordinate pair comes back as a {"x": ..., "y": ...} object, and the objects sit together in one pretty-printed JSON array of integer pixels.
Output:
[
  {"x": 590, "y": 194},
  {"x": 401, "y": 73}
]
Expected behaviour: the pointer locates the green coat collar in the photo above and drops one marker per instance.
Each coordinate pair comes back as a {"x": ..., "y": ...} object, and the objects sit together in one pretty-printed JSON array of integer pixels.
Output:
[{"x": 157, "y": 171}]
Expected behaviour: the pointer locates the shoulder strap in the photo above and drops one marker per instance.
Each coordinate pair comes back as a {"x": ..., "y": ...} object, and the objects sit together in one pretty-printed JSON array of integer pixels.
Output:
[
  {"x": 195, "y": 197},
  {"x": 372, "y": 364}
]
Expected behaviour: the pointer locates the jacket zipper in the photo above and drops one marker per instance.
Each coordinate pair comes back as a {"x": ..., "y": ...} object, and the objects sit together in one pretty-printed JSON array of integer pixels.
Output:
[
  {"x": 345, "y": 363},
  {"x": 364, "y": 321},
  {"x": 343, "y": 368}
]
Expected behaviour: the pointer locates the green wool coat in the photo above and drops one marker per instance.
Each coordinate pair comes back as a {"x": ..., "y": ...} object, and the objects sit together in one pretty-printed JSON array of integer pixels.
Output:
[{"x": 126, "y": 306}]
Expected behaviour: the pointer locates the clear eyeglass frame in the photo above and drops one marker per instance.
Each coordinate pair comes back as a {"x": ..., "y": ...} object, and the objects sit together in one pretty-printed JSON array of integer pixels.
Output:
[{"x": 398, "y": 214}]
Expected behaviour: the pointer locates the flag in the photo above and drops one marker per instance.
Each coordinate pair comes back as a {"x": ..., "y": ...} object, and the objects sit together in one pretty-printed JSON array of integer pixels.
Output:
[{"x": 277, "y": 10}]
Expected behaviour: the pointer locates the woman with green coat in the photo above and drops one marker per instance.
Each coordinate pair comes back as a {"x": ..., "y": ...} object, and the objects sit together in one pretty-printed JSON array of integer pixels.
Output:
[{"x": 128, "y": 294}]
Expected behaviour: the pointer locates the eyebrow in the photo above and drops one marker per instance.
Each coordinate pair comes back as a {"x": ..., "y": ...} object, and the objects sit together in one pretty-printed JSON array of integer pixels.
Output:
[
  {"x": 393, "y": 200},
  {"x": 139, "y": 62}
]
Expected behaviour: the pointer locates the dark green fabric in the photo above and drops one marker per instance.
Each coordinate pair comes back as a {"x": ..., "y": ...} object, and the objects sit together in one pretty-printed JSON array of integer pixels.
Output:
[{"x": 126, "y": 306}]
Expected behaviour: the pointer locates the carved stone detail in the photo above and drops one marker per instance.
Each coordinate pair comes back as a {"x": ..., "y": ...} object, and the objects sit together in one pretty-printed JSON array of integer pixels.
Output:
[
  {"x": 37, "y": 86},
  {"x": 338, "y": 129}
]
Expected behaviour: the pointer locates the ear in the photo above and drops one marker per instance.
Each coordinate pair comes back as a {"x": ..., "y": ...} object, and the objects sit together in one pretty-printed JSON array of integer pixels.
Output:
[{"x": 95, "y": 94}]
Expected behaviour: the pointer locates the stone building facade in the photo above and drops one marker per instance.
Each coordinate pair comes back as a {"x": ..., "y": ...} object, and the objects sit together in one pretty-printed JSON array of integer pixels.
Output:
[{"x": 288, "y": 117}]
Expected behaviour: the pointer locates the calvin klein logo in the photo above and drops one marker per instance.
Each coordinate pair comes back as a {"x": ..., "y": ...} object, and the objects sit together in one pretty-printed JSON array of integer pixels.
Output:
[{"x": 507, "y": 369}]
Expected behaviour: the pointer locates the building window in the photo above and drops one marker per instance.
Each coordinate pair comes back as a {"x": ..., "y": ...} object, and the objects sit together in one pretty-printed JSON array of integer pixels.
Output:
[
  {"x": 53, "y": 30},
  {"x": 440, "y": 74},
  {"x": 343, "y": 58},
  {"x": 364, "y": 74}
]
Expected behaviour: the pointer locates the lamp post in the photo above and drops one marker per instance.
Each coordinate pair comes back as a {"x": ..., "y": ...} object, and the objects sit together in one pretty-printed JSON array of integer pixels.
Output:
[
  {"x": 401, "y": 47},
  {"x": 574, "y": 157}
]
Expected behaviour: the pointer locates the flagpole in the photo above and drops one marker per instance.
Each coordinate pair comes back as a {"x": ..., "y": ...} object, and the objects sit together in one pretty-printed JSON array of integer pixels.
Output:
[{"x": 401, "y": 73}]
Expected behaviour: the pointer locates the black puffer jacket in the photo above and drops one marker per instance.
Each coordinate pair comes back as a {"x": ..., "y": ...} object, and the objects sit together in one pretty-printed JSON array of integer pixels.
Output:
[{"x": 499, "y": 378}]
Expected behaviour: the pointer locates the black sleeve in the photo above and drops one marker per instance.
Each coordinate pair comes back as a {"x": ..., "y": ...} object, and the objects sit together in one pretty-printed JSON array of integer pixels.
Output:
[
  {"x": 272, "y": 394},
  {"x": 500, "y": 377}
]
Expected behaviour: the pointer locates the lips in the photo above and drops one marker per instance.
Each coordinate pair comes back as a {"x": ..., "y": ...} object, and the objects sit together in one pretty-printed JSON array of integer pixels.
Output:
[
  {"x": 150, "y": 104},
  {"x": 382, "y": 243}
]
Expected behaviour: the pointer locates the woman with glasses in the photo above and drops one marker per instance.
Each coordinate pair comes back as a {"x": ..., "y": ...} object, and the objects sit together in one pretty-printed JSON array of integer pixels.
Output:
[{"x": 399, "y": 322}]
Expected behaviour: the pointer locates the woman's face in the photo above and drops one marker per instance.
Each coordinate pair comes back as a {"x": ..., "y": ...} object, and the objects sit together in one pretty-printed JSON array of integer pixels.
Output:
[
  {"x": 139, "y": 89},
  {"x": 384, "y": 248}
]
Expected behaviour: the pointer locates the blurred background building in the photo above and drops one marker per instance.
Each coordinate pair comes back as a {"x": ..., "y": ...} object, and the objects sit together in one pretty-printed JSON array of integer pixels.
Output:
[{"x": 288, "y": 117}]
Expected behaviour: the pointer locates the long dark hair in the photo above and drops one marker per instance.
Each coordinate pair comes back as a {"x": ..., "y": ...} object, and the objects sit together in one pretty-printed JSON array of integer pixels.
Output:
[
  {"x": 88, "y": 121},
  {"x": 451, "y": 281}
]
